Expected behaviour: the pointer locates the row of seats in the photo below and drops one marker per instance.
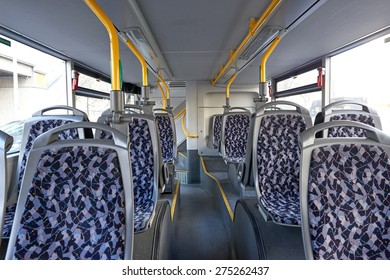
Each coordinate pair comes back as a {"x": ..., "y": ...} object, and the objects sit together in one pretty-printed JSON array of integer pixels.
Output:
[
  {"x": 86, "y": 177},
  {"x": 281, "y": 172}
]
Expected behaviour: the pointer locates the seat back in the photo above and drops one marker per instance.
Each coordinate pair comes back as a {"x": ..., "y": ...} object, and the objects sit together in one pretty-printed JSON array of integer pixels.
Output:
[
  {"x": 215, "y": 131},
  {"x": 6, "y": 142},
  {"x": 145, "y": 164},
  {"x": 40, "y": 123},
  {"x": 75, "y": 200},
  {"x": 338, "y": 111},
  {"x": 276, "y": 160},
  {"x": 345, "y": 194},
  {"x": 167, "y": 135},
  {"x": 235, "y": 131}
]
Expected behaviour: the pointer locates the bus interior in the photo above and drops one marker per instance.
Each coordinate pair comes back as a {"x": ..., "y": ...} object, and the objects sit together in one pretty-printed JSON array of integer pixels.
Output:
[{"x": 195, "y": 130}]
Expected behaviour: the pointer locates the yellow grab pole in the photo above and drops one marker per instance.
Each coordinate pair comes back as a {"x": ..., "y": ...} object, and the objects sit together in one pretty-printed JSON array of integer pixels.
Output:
[
  {"x": 184, "y": 127},
  {"x": 267, "y": 54},
  {"x": 229, "y": 84},
  {"x": 167, "y": 90},
  {"x": 179, "y": 114},
  {"x": 114, "y": 43},
  {"x": 141, "y": 60},
  {"x": 164, "y": 101},
  {"x": 254, "y": 27}
]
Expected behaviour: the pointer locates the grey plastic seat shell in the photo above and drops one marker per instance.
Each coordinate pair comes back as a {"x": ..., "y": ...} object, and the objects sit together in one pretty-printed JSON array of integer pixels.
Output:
[
  {"x": 309, "y": 143},
  {"x": 233, "y": 111},
  {"x": 49, "y": 140},
  {"x": 261, "y": 113},
  {"x": 124, "y": 128},
  {"x": 6, "y": 142}
]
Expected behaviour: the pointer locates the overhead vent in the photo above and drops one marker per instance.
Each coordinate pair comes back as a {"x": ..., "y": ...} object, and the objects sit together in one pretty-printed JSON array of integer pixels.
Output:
[
  {"x": 177, "y": 84},
  {"x": 260, "y": 42}
]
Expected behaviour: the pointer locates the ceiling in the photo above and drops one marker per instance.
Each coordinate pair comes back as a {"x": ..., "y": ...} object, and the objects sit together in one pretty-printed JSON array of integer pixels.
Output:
[{"x": 195, "y": 36}]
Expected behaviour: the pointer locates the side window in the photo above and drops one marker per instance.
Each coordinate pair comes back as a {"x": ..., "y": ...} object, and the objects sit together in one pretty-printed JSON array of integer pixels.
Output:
[
  {"x": 29, "y": 81},
  {"x": 92, "y": 96},
  {"x": 301, "y": 87},
  {"x": 362, "y": 74}
]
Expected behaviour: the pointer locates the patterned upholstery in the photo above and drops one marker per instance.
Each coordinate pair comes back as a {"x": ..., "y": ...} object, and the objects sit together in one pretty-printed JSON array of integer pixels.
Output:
[
  {"x": 349, "y": 202},
  {"x": 217, "y": 130},
  {"x": 141, "y": 151},
  {"x": 166, "y": 137},
  {"x": 236, "y": 137},
  {"x": 350, "y": 131},
  {"x": 278, "y": 165},
  {"x": 74, "y": 208},
  {"x": 36, "y": 129}
]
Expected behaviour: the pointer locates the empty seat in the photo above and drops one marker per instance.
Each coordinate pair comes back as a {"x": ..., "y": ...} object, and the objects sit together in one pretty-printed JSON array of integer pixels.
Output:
[
  {"x": 167, "y": 136},
  {"x": 235, "y": 131},
  {"x": 348, "y": 110},
  {"x": 215, "y": 131},
  {"x": 75, "y": 200},
  {"x": 144, "y": 154},
  {"x": 276, "y": 160},
  {"x": 40, "y": 123},
  {"x": 345, "y": 194},
  {"x": 6, "y": 142}
]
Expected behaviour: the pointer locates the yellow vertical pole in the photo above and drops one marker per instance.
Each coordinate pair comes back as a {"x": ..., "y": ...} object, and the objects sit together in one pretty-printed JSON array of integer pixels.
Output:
[
  {"x": 114, "y": 43},
  {"x": 164, "y": 101}
]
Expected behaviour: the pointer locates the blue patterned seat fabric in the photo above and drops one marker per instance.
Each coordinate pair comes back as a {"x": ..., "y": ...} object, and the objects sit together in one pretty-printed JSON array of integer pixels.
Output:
[
  {"x": 236, "y": 137},
  {"x": 141, "y": 152},
  {"x": 37, "y": 129},
  {"x": 349, "y": 202},
  {"x": 75, "y": 207},
  {"x": 166, "y": 137},
  {"x": 217, "y": 130},
  {"x": 278, "y": 164},
  {"x": 350, "y": 131}
]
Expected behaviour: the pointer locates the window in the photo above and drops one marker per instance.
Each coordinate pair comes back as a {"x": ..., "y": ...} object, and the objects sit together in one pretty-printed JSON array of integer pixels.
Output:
[
  {"x": 362, "y": 74},
  {"x": 92, "y": 97},
  {"x": 29, "y": 81},
  {"x": 311, "y": 101}
]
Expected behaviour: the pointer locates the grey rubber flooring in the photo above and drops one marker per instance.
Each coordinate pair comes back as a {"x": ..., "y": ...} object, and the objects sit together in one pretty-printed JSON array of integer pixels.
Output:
[{"x": 199, "y": 232}]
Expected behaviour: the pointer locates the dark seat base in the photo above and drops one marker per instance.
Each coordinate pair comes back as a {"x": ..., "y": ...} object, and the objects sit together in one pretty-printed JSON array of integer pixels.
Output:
[{"x": 254, "y": 238}]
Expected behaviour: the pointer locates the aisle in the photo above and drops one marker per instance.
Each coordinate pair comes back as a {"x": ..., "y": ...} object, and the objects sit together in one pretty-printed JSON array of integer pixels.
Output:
[{"x": 199, "y": 231}]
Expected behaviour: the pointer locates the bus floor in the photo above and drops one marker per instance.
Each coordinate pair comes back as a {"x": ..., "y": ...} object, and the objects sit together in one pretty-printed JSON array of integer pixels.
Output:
[{"x": 199, "y": 232}]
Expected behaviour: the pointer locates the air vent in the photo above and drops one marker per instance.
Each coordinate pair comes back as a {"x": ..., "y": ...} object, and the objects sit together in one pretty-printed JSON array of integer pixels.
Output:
[
  {"x": 260, "y": 42},
  {"x": 177, "y": 84}
]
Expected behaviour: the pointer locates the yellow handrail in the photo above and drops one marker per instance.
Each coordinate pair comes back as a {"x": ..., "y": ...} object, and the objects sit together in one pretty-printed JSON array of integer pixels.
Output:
[
  {"x": 184, "y": 127},
  {"x": 225, "y": 200},
  {"x": 267, "y": 54},
  {"x": 114, "y": 43},
  {"x": 254, "y": 27},
  {"x": 141, "y": 60},
  {"x": 180, "y": 113},
  {"x": 167, "y": 90},
  {"x": 229, "y": 84},
  {"x": 164, "y": 99}
]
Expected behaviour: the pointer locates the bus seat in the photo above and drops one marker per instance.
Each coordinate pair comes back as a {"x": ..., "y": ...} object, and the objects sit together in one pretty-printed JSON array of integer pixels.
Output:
[
  {"x": 167, "y": 136},
  {"x": 235, "y": 131},
  {"x": 6, "y": 142},
  {"x": 75, "y": 200},
  {"x": 216, "y": 131},
  {"x": 345, "y": 194},
  {"x": 339, "y": 111},
  {"x": 144, "y": 155},
  {"x": 276, "y": 160},
  {"x": 39, "y": 123}
]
